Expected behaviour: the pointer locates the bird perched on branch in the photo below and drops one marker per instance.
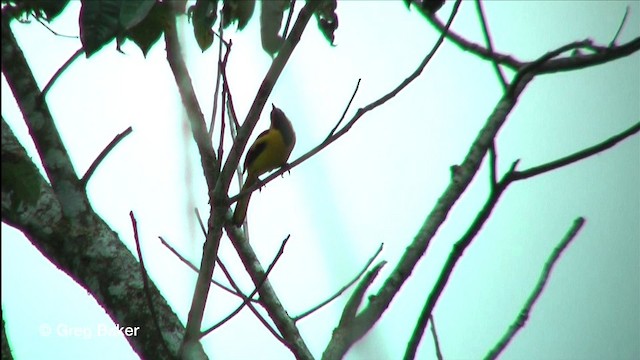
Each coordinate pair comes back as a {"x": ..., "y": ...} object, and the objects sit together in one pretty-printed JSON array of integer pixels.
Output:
[{"x": 270, "y": 151}]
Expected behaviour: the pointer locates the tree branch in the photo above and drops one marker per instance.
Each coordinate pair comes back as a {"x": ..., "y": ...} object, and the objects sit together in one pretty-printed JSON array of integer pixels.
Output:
[
  {"x": 116, "y": 140},
  {"x": 511, "y": 176},
  {"x": 436, "y": 341},
  {"x": 51, "y": 150},
  {"x": 194, "y": 268},
  {"x": 264, "y": 91},
  {"x": 344, "y": 288},
  {"x": 473, "y": 48},
  {"x": 330, "y": 139},
  {"x": 487, "y": 40},
  {"x": 343, "y": 336},
  {"x": 145, "y": 282},
  {"x": 459, "y": 182},
  {"x": 255, "y": 290},
  {"x": 60, "y": 71},
  {"x": 285, "y": 325},
  {"x": 535, "y": 295},
  {"x": 88, "y": 251},
  {"x": 580, "y": 155}
]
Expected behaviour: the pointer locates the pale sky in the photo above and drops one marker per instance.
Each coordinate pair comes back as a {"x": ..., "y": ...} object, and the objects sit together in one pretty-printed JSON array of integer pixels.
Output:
[{"x": 375, "y": 185}]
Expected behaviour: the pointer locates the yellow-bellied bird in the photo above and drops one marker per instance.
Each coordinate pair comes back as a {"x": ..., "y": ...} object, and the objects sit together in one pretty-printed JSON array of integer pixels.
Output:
[{"x": 271, "y": 150}]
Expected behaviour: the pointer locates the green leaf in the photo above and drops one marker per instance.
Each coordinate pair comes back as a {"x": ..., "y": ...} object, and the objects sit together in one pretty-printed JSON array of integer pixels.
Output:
[
  {"x": 133, "y": 12},
  {"x": 99, "y": 23},
  {"x": 328, "y": 19},
  {"x": 271, "y": 14},
  {"x": 431, "y": 6},
  {"x": 237, "y": 10},
  {"x": 203, "y": 15},
  {"x": 41, "y": 9},
  {"x": 148, "y": 32}
]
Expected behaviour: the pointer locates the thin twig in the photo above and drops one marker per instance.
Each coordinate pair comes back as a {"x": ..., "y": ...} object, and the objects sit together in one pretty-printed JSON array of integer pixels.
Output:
[
  {"x": 580, "y": 155},
  {"x": 292, "y": 5},
  {"x": 219, "y": 261},
  {"x": 55, "y": 76},
  {"x": 145, "y": 282},
  {"x": 194, "y": 268},
  {"x": 624, "y": 20},
  {"x": 489, "y": 42},
  {"x": 344, "y": 113},
  {"x": 533, "y": 68},
  {"x": 210, "y": 166},
  {"x": 217, "y": 87},
  {"x": 511, "y": 176},
  {"x": 255, "y": 290},
  {"x": 223, "y": 123},
  {"x": 436, "y": 341},
  {"x": 356, "y": 117},
  {"x": 103, "y": 154},
  {"x": 247, "y": 302},
  {"x": 344, "y": 288},
  {"x": 351, "y": 308},
  {"x": 267, "y": 85},
  {"x": 225, "y": 84},
  {"x": 246, "y": 299},
  {"x": 55, "y": 32},
  {"x": 473, "y": 48},
  {"x": 523, "y": 316}
]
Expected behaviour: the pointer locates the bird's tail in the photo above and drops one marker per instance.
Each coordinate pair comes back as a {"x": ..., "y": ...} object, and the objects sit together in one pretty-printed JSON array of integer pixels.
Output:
[{"x": 241, "y": 206}]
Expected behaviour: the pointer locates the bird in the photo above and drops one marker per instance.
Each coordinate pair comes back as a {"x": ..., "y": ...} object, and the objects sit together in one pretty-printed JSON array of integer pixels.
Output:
[{"x": 270, "y": 151}]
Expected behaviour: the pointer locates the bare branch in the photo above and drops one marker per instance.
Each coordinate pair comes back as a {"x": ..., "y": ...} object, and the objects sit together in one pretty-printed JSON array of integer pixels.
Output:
[
  {"x": 436, "y": 341},
  {"x": 473, "y": 48},
  {"x": 356, "y": 117},
  {"x": 461, "y": 178},
  {"x": 351, "y": 308},
  {"x": 64, "y": 238},
  {"x": 46, "y": 137},
  {"x": 61, "y": 70},
  {"x": 580, "y": 155},
  {"x": 55, "y": 32},
  {"x": 535, "y": 295},
  {"x": 247, "y": 299},
  {"x": 194, "y": 268},
  {"x": 622, "y": 23},
  {"x": 602, "y": 55},
  {"x": 458, "y": 249},
  {"x": 145, "y": 283},
  {"x": 268, "y": 297},
  {"x": 210, "y": 167},
  {"x": 292, "y": 5},
  {"x": 190, "y": 101},
  {"x": 344, "y": 288},
  {"x": 94, "y": 165},
  {"x": 264, "y": 91},
  {"x": 487, "y": 40},
  {"x": 343, "y": 334},
  {"x": 221, "y": 63},
  {"x": 344, "y": 113}
]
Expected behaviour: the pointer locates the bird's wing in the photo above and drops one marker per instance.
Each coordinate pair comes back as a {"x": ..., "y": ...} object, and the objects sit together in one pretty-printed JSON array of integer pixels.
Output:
[{"x": 256, "y": 149}]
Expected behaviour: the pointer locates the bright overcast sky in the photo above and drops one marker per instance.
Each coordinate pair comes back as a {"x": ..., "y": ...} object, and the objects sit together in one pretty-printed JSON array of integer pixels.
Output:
[{"x": 375, "y": 185}]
